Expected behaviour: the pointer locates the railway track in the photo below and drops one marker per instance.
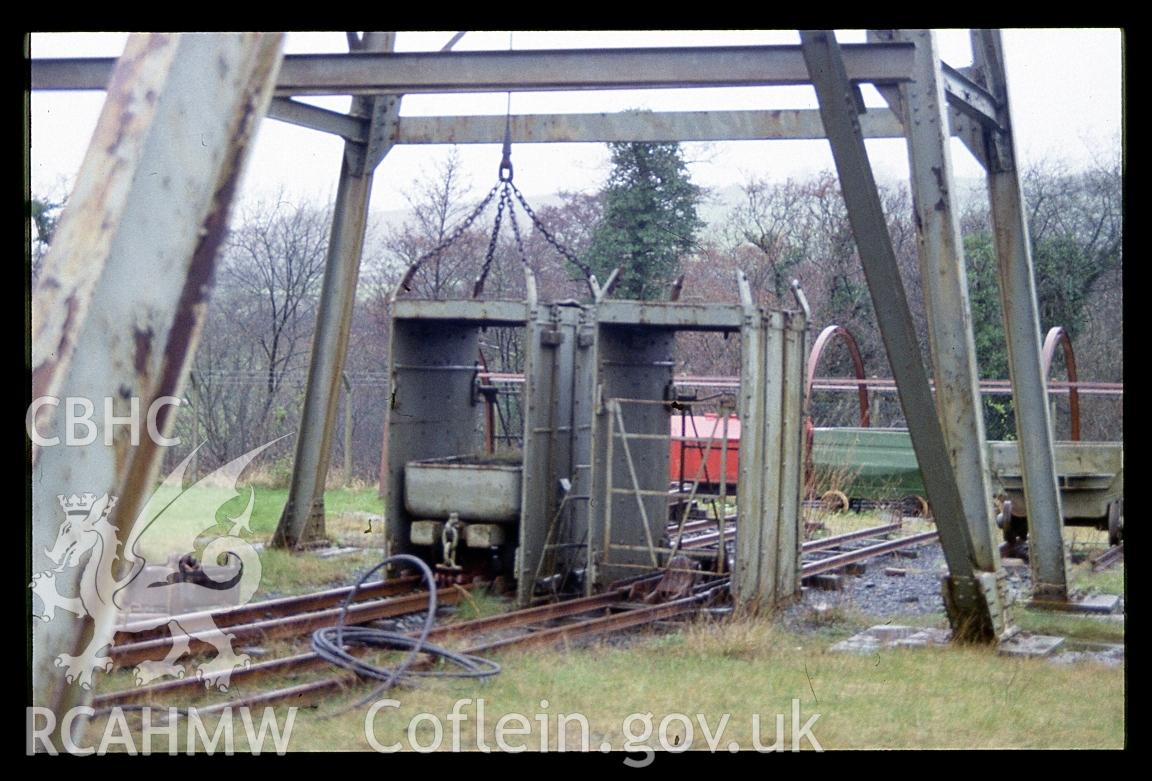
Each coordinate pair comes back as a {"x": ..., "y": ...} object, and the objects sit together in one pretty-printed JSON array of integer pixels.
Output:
[
  {"x": 549, "y": 624},
  {"x": 546, "y": 624},
  {"x": 1108, "y": 558},
  {"x": 131, "y": 654},
  {"x": 875, "y": 544},
  {"x": 135, "y": 631},
  {"x": 840, "y": 559}
]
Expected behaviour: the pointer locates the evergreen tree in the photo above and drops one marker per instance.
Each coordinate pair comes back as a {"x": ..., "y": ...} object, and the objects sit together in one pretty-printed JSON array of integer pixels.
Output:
[{"x": 649, "y": 220}]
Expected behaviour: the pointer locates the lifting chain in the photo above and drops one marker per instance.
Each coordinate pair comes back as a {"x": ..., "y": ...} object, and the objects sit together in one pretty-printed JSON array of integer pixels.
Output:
[
  {"x": 450, "y": 540},
  {"x": 560, "y": 248},
  {"x": 507, "y": 190},
  {"x": 452, "y": 238}
]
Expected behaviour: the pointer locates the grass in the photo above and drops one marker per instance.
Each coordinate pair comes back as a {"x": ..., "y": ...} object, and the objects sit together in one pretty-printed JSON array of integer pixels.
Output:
[
  {"x": 282, "y": 572},
  {"x": 954, "y": 697},
  {"x": 1110, "y": 581},
  {"x": 269, "y": 504},
  {"x": 957, "y": 697},
  {"x": 285, "y": 573},
  {"x": 1074, "y": 627}
]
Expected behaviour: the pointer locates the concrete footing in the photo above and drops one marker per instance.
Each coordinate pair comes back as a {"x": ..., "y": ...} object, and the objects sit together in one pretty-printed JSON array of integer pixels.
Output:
[
  {"x": 1104, "y": 604},
  {"x": 892, "y": 636},
  {"x": 1025, "y": 644},
  {"x": 898, "y": 636}
]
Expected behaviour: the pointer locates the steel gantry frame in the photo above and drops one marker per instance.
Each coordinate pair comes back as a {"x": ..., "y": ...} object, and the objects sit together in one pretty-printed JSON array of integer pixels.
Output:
[
  {"x": 118, "y": 310},
  {"x": 929, "y": 102}
]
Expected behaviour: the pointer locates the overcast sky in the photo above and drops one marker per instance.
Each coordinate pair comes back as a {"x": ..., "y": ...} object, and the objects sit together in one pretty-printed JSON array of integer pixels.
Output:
[{"x": 1065, "y": 87}]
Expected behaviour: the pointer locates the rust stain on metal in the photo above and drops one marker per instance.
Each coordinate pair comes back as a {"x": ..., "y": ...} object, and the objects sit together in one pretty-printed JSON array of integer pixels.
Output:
[
  {"x": 92, "y": 215},
  {"x": 189, "y": 309},
  {"x": 43, "y": 373},
  {"x": 143, "y": 352},
  {"x": 121, "y": 88},
  {"x": 939, "y": 174}
]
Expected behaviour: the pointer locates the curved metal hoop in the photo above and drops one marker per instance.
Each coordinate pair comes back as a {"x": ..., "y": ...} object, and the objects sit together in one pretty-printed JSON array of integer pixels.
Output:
[
  {"x": 1056, "y": 335},
  {"x": 822, "y": 340}
]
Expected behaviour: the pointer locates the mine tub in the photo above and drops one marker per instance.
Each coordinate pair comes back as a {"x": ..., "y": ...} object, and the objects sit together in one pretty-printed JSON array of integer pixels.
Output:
[{"x": 477, "y": 488}]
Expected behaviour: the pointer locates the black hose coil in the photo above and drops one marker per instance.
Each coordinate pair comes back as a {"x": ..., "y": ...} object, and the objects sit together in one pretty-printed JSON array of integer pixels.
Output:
[{"x": 332, "y": 643}]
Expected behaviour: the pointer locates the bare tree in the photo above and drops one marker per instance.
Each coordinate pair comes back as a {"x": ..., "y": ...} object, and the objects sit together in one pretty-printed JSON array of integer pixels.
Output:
[
  {"x": 275, "y": 260},
  {"x": 440, "y": 201},
  {"x": 248, "y": 376}
]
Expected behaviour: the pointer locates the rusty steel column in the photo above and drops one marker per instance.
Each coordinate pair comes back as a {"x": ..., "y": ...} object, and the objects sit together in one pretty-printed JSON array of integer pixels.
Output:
[
  {"x": 302, "y": 520},
  {"x": 1022, "y": 329},
  {"x": 945, "y": 282},
  {"x": 117, "y": 315},
  {"x": 976, "y": 608}
]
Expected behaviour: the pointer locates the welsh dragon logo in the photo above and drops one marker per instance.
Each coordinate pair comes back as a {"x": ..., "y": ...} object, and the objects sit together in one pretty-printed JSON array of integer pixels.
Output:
[{"x": 175, "y": 519}]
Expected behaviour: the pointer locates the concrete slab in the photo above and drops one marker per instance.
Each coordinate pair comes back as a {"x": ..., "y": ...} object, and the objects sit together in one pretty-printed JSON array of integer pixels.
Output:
[
  {"x": 1025, "y": 644},
  {"x": 925, "y": 638},
  {"x": 857, "y": 644},
  {"x": 1105, "y": 604},
  {"x": 887, "y": 633},
  {"x": 1089, "y": 646},
  {"x": 900, "y": 636},
  {"x": 893, "y": 636}
]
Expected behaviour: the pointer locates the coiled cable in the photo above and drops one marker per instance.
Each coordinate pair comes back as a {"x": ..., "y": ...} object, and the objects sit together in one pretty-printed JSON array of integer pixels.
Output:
[{"x": 333, "y": 643}]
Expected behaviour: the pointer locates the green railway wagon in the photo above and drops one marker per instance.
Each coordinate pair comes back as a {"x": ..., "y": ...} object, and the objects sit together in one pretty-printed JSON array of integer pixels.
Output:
[
  {"x": 876, "y": 464},
  {"x": 879, "y": 465}
]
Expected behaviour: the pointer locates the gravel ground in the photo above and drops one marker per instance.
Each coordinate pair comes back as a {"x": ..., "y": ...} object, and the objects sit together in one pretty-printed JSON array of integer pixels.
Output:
[
  {"x": 873, "y": 593},
  {"x": 917, "y": 592}
]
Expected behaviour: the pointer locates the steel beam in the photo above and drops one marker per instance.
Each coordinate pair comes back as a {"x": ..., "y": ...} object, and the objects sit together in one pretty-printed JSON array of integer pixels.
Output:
[
  {"x": 972, "y": 597},
  {"x": 118, "y": 310},
  {"x": 753, "y": 574},
  {"x": 945, "y": 282},
  {"x": 784, "y": 124},
  {"x": 302, "y": 521},
  {"x": 1022, "y": 329},
  {"x": 969, "y": 97},
  {"x": 790, "y": 469},
  {"x": 652, "y": 126},
  {"x": 363, "y": 73},
  {"x": 315, "y": 118}
]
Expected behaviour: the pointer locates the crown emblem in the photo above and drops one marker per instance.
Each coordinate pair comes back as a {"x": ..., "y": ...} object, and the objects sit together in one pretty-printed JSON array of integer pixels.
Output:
[{"x": 81, "y": 504}]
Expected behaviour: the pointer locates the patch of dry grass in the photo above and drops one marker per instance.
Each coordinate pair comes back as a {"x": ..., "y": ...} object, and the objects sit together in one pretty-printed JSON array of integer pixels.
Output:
[{"x": 956, "y": 697}]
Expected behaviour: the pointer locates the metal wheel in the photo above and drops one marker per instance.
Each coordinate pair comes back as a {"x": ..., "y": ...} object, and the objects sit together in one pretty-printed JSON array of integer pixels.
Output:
[
  {"x": 1116, "y": 522},
  {"x": 834, "y": 501},
  {"x": 915, "y": 506}
]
